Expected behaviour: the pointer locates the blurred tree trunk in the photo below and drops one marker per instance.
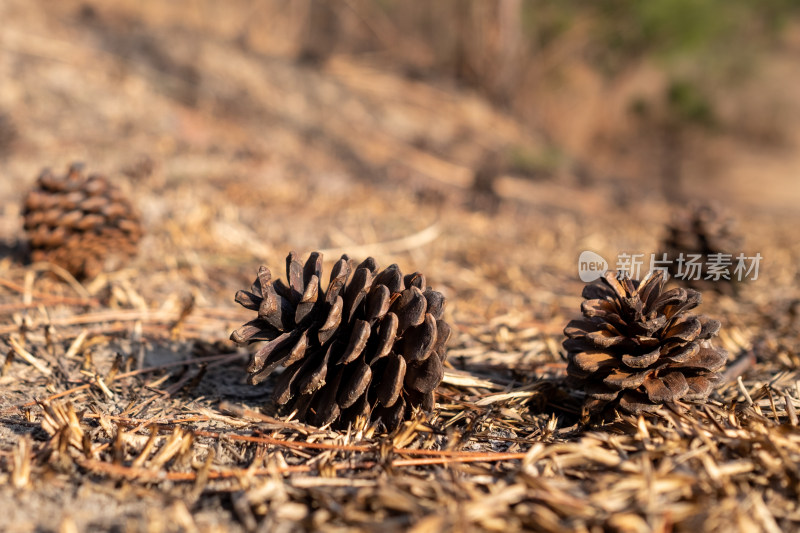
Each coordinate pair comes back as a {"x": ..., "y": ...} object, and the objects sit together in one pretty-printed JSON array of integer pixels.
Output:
[
  {"x": 320, "y": 32},
  {"x": 508, "y": 62},
  {"x": 672, "y": 155},
  {"x": 465, "y": 35},
  {"x": 489, "y": 46}
]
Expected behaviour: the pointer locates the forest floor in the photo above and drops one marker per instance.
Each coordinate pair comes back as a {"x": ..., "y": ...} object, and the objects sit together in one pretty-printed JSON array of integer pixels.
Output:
[{"x": 136, "y": 415}]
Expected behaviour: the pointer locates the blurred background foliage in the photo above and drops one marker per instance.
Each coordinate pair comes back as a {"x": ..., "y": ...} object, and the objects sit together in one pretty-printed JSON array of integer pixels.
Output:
[
  {"x": 672, "y": 91},
  {"x": 699, "y": 44},
  {"x": 599, "y": 79}
]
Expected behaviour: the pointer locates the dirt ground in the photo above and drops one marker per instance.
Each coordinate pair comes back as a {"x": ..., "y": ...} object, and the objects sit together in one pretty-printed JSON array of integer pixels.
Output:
[{"x": 136, "y": 415}]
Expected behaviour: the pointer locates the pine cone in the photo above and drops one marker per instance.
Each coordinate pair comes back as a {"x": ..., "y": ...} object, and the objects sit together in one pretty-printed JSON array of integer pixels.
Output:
[
  {"x": 80, "y": 223},
  {"x": 371, "y": 347},
  {"x": 637, "y": 346},
  {"x": 701, "y": 230}
]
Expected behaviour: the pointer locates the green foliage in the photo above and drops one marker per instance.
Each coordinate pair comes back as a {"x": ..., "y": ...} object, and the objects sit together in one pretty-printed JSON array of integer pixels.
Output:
[
  {"x": 664, "y": 27},
  {"x": 686, "y": 102},
  {"x": 534, "y": 162},
  {"x": 668, "y": 26},
  {"x": 701, "y": 45},
  {"x": 683, "y": 103},
  {"x": 544, "y": 22}
]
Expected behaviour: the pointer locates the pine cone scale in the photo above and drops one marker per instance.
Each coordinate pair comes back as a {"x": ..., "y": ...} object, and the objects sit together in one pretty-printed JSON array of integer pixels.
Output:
[
  {"x": 387, "y": 332},
  {"x": 332, "y": 321},
  {"x": 641, "y": 361},
  {"x": 700, "y": 387},
  {"x": 703, "y": 358},
  {"x": 419, "y": 341},
  {"x": 391, "y": 278},
  {"x": 294, "y": 273},
  {"x": 684, "y": 330},
  {"x": 391, "y": 379},
  {"x": 339, "y": 275},
  {"x": 442, "y": 336},
  {"x": 248, "y": 300},
  {"x": 710, "y": 327},
  {"x": 270, "y": 354},
  {"x": 358, "y": 341},
  {"x": 636, "y": 403},
  {"x": 308, "y": 301},
  {"x": 360, "y": 376},
  {"x": 298, "y": 351},
  {"x": 425, "y": 376},
  {"x": 670, "y": 387},
  {"x": 620, "y": 379},
  {"x": 681, "y": 353},
  {"x": 410, "y": 309},
  {"x": 287, "y": 382},
  {"x": 593, "y": 361},
  {"x": 378, "y": 303},
  {"x": 313, "y": 373}
]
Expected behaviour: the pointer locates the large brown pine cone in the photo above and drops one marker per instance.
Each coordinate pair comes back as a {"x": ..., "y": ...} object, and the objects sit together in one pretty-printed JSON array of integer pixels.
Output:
[
  {"x": 702, "y": 230},
  {"x": 83, "y": 224},
  {"x": 372, "y": 346},
  {"x": 638, "y": 347}
]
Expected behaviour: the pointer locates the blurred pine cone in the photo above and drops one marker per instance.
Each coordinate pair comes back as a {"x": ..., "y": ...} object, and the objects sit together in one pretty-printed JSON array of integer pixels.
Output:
[
  {"x": 372, "y": 346},
  {"x": 83, "y": 224},
  {"x": 638, "y": 347},
  {"x": 701, "y": 230}
]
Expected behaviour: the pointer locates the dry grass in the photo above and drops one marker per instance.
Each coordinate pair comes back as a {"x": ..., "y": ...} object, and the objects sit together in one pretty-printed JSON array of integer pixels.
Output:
[{"x": 123, "y": 406}]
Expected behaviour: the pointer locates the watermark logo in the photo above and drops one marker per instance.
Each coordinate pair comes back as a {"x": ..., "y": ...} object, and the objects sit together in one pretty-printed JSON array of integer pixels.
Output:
[
  {"x": 591, "y": 266},
  {"x": 688, "y": 267}
]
